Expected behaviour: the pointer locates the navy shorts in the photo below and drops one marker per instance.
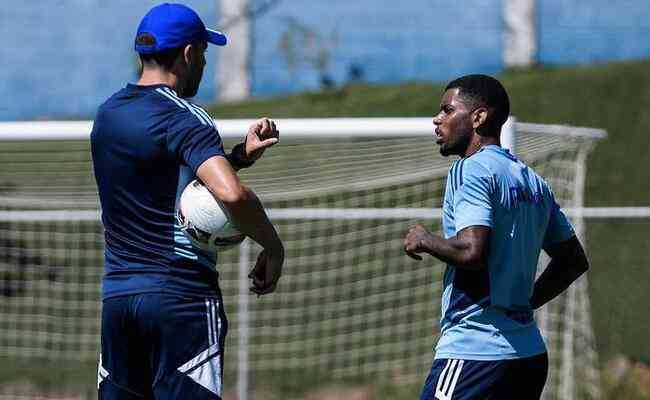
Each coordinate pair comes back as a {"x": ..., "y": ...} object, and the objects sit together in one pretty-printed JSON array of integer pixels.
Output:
[
  {"x": 158, "y": 346},
  {"x": 454, "y": 379}
]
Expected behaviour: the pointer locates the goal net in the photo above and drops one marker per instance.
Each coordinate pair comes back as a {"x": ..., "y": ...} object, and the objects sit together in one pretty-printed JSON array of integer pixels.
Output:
[{"x": 350, "y": 307}]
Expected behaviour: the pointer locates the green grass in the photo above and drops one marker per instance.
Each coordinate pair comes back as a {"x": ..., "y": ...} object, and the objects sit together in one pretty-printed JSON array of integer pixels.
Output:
[
  {"x": 47, "y": 376},
  {"x": 619, "y": 287},
  {"x": 614, "y": 97}
]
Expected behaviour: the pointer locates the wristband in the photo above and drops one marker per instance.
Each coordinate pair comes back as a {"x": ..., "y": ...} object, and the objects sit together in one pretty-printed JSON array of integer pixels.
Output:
[{"x": 238, "y": 157}]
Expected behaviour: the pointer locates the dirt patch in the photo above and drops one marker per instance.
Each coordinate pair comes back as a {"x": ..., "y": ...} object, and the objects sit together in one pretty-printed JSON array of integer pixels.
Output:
[
  {"x": 24, "y": 390},
  {"x": 622, "y": 375},
  {"x": 640, "y": 376},
  {"x": 332, "y": 392},
  {"x": 338, "y": 393}
]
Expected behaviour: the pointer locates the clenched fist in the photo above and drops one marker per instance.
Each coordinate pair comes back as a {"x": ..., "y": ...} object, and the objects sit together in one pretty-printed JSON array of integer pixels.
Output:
[
  {"x": 261, "y": 135},
  {"x": 416, "y": 241}
]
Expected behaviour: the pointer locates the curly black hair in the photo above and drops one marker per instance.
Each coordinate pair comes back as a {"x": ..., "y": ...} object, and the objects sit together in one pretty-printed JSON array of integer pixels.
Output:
[{"x": 485, "y": 91}]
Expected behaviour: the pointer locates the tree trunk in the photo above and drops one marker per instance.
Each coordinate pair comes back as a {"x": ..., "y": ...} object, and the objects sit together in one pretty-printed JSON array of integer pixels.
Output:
[
  {"x": 520, "y": 35},
  {"x": 233, "y": 74}
]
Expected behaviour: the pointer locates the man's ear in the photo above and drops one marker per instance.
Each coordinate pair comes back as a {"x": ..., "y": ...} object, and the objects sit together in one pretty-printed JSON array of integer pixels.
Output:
[
  {"x": 187, "y": 53},
  {"x": 479, "y": 117}
]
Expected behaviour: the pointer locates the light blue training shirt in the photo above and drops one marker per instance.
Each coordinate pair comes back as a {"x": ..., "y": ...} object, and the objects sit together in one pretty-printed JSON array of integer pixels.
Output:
[{"x": 486, "y": 315}]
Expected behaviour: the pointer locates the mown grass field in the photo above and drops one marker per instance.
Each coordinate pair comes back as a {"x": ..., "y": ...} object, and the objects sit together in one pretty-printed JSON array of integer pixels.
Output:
[{"x": 613, "y": 97}]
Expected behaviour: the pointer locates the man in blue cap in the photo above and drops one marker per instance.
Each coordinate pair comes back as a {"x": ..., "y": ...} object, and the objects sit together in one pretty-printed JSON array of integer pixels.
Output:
[{"x": 163, "y": 322}]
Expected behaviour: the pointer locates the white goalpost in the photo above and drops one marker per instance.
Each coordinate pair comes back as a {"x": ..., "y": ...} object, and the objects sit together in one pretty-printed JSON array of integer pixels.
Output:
[{"x": 342, "y": 192}]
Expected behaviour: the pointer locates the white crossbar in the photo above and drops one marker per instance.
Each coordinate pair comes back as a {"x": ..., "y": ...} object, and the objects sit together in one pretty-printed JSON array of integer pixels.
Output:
[
  {"x": 328, "y": 213},
  {"x": 289, "y": 128}
]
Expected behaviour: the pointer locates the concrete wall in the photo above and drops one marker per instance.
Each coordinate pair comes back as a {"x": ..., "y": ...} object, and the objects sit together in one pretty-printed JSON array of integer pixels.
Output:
[
  {"x": 587, "y": 31},
  {"x": 390, "y": 41},
  {"x": 61, "y": 58}
]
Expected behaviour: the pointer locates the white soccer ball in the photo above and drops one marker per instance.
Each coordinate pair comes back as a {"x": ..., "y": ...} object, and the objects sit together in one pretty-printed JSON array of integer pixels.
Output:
[{"x": 205, "y": 221}]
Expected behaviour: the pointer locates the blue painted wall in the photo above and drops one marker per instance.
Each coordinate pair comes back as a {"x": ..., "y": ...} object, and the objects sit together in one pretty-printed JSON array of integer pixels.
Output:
[
  {"x": 61, "y": 58},
  {"x": 588, "y": 31},
  {"x": 390, "y": 41}
]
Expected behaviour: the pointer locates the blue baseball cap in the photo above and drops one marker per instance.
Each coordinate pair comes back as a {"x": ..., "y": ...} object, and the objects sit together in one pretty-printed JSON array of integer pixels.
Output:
[{"x": 170, "y": 26}]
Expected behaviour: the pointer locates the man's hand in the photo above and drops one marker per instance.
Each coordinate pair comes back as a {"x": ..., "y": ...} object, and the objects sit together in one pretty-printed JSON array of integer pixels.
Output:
[
  {"x": 415, "y": 241},
  {"x": 267, "y": 271},
  {"x": 261, "y": 135}
]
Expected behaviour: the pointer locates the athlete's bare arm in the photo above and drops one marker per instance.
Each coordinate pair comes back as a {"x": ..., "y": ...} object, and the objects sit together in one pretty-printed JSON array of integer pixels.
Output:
[
  {"x": 250, "y": 218},
  {"x": 467, "y": 250},
  {"x": 247, "y": 212},
  {"x": 568, "y": 262}
]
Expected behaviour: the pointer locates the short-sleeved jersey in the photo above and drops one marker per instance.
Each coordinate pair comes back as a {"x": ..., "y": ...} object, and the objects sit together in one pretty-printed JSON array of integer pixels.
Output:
[
  {"x": 486, "y": 314},
  {"x": 147, "y": 144}
]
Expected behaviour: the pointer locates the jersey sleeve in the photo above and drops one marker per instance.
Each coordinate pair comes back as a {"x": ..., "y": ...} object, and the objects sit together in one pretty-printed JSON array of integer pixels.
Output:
[
  {"x": 192, "y": 139},
  {"x": 473, "y": 199},
  {"x": 559, "y": 228}
]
